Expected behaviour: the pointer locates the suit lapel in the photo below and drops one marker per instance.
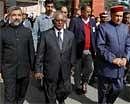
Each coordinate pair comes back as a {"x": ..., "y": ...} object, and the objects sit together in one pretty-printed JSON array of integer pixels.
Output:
[
  {"x": 81, "y": 25},
  {"x": 55, "y": 39},
  {"x": 65, "y": 36}
]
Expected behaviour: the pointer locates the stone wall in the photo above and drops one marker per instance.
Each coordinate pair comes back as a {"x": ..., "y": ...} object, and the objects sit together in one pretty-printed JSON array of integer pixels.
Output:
[{"x": 1, "y": 10}]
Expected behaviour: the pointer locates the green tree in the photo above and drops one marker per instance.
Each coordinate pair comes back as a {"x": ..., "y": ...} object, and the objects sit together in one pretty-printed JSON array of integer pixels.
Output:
[
  {"x": 67, "y": 3},
  {"x": 110, "y": 3},
  {"x": 59, "y": 3},
  {"x": 86, "y": 1}
]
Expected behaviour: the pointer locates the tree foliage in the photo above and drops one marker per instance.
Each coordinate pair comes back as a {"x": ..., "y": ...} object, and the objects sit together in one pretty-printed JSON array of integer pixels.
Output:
[
  {"x": 67, "y": 3},
  {"x": 86, "y": 1},
  {"x": 110, "y": 3}
]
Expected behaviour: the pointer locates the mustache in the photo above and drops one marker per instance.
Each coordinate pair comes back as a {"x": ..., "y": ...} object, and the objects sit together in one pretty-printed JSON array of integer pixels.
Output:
[{"x": 15, "y": 21}]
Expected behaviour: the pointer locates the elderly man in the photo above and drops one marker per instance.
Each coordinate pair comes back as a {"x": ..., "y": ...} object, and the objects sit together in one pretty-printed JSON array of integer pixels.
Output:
[
  {"x": 113, "y": 50},
  {"x": 55, "y": 57},
  {"x": 16, "y": 57}
]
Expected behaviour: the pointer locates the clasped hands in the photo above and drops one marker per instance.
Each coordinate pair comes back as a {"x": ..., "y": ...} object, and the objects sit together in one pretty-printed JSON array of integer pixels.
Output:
[{"x": 120, "y": 62}]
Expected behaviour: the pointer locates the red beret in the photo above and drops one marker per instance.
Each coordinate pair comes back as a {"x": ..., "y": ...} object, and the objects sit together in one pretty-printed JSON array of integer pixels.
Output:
[{"x": 118, "y": 8}]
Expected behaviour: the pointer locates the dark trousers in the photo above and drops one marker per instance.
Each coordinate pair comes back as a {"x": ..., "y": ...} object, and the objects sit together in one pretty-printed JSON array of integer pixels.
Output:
[
  {"x": 109, "y": 89},
  {"x": 83, "y": 70},
  {"x": 95, "y": 71},
  {"x": 57, "y": 90},
  {"x": 127, "y": 74},
  {"x": 15, "y": 90}
]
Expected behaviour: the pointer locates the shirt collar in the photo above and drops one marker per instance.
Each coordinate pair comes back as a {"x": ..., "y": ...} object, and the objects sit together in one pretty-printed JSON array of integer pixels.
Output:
[
  {"x": 86, "y": 21},
  {"x": 48, "y": 17},
  {"x": 116, "y": 25},
  {"x": 62, "y": 32},
  {"x": 56, "y": 30}
]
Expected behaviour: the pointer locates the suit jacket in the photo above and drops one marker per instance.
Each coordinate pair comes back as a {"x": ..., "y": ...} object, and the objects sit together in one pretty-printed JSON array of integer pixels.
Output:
[
  {"x": 113, "y": 41},
  {"x": 77, "y": 27},
  {"x": 16, "y": 51},
  {"x": 51, "y": 59}
]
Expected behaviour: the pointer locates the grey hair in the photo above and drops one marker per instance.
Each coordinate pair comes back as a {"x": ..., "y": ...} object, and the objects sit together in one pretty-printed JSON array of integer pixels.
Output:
[
  {"x": 12, "y": 8},
  {"x": 57, "y": 13}
]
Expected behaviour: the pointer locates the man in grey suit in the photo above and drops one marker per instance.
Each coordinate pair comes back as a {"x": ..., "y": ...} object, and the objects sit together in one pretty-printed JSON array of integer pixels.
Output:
[
  {"x": 16, "y": 57},
  {"x": 55, "y": 57}
]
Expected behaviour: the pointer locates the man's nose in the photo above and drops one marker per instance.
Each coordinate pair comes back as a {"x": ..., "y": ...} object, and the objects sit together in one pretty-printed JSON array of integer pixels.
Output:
[{"x": 17, "y": 16}]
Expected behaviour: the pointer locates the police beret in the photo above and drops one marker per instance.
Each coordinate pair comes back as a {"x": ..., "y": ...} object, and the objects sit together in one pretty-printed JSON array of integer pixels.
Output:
[{"x": 104, "y": 14}]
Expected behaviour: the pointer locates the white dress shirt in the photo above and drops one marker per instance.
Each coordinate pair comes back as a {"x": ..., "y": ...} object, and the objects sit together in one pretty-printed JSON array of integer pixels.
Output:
[
  {"x": 86, "y": 21},
  {"x": 62, "y": 32}
]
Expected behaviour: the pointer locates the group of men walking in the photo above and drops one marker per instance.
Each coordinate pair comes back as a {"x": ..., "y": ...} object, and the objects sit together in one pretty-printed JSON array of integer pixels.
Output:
[{"x": 59, "y": 50}]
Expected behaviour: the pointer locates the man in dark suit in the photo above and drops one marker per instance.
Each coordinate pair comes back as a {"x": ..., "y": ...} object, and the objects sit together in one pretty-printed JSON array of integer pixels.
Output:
[
  {"x": 56, "y": 56},
  {"x": 16, "y": 57},
  {"x": 84, "y": 29}
]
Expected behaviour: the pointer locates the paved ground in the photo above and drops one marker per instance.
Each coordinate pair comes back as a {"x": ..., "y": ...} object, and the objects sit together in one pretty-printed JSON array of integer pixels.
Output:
[{"x": 36, "y": 96}]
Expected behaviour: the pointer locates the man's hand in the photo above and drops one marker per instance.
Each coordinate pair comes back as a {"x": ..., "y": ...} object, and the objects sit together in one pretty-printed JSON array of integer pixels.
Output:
[
  {"x": 1, "y": 77},
  {"x": 117, "y": 61},
  {"x": 38, "y": 75},
  {"x": 121, "y": 62}
]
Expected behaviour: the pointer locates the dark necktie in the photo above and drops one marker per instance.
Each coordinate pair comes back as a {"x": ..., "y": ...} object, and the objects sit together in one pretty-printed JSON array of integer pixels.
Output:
[{"x": 59, "y": 40}]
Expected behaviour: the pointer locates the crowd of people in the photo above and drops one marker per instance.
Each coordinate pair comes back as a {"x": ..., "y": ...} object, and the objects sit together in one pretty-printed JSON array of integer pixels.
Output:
[{"x": 55, "y": 47}]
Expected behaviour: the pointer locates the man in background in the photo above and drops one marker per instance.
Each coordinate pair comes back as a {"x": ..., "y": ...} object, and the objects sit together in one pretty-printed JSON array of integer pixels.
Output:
[
  {"x": 44, "y": 21},
  {"x": 26, "y": 21},
  {"x": 84, "y": 29},
  {"x": 104, "y": 17},
  {"x": 64, "y": 10},
  {"x": 126, "y": 20}
]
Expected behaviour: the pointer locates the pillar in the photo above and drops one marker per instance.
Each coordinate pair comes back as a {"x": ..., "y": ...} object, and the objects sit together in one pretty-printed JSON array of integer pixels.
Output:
[{"x": 97, "y": 7}]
